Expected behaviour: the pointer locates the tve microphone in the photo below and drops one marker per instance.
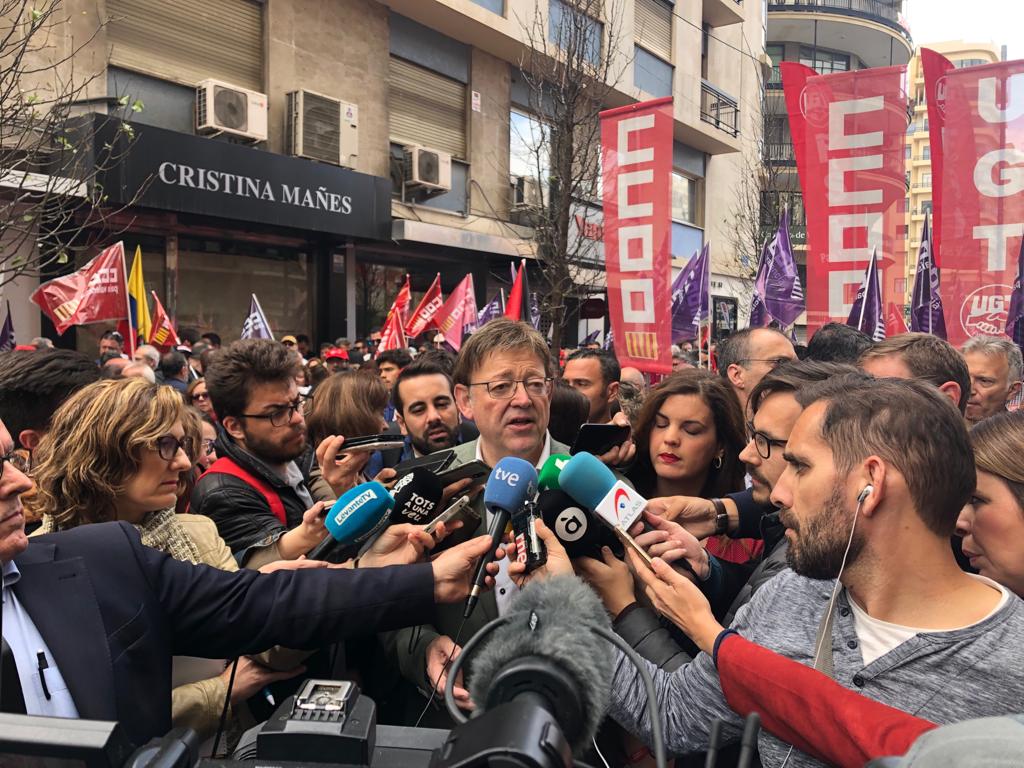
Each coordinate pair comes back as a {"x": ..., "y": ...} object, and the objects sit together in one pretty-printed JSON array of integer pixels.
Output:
[
  {"x": 417, "y": 497},
  {"x": 548, "y": 478},
  {"x": 512, "y": 482},
  {"x": 359, "y": 514}
]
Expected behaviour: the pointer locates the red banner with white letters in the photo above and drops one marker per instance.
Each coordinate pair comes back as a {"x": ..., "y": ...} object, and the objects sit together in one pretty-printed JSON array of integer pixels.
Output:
[
  {"x": 983, "y": 189},
  {"x": 636, "y": 153},
  {"x": 96, "y": 293},
  {"x": 849, "y": 132}
]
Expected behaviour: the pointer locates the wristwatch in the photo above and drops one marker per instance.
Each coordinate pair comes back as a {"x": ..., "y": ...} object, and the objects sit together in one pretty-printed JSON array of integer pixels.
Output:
[{"x": 721, "y": 517}]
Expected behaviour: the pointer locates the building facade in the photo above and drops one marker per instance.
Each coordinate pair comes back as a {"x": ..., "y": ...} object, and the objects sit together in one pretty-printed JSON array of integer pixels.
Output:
[{"x": 315, "y": 152}]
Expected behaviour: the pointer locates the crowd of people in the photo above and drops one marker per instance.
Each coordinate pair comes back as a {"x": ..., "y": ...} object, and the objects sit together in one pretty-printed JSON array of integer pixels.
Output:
[{"x": 850, "y": 515}]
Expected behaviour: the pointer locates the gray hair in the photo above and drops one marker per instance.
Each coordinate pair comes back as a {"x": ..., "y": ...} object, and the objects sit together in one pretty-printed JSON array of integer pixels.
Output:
[
  {"x": 140, "y": 370},
  {"x": 41, "y": 342},
  {"x": 151, "y": 353},
  {"x": 997, "y": 345}
]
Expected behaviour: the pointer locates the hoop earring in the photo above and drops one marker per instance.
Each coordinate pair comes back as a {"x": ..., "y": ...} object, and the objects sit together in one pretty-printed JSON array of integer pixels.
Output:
[{"x": 717, "y": 462}]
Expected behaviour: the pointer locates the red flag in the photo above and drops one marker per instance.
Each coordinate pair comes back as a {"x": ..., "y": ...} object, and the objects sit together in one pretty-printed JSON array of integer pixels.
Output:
[
  {"x": 96, "y": 293},
  {"x": 451, "y": 317},
  {"x": 163, "y": 334},
  {"x": 401, "y": 303},
  {"x": 981, "y": 178},
  {"x": 423, "y": 317},
  {"x": 849, "y": 133},
  {"x": 935, "y": 67},
  {"x": 514, "y": 305},
  {"x": 392, "y": 336},
  {"x": 636, "y": 152},
  {"x": 894, "y": 322}
]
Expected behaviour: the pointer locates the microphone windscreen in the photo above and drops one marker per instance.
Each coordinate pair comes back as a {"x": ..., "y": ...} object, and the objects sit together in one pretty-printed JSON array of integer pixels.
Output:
[
  {"x": 547, "y": 480},
  {"x": 359, "y": 512},
  {"x": 565, "y": 611},
  {"x": 572, "y": 525},
  {"x": 511, "y": 483},
  {"x": 586, "y": 479},
  {"x": 417, "y": 497}
]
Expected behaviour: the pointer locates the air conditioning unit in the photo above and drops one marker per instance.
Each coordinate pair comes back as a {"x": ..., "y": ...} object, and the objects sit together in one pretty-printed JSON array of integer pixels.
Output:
[
  {"x": 525, "y": 193},
  {"x": 322, "y": 128},
  {"x": 428, "y": 168},
  {"x": 225, "y": 108}
]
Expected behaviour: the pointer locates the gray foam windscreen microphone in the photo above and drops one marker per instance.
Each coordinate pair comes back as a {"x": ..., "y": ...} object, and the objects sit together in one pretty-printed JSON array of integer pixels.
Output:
[{"x": 552, "y": 619}]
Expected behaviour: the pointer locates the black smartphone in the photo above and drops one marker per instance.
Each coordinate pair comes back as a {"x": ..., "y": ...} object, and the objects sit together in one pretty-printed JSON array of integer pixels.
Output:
[
  {"x": 599, "y": 438},
  {"x": 372, "y": 443},
  {"x": 435, "y": 462},
  {"x": 474, "y": 469}
]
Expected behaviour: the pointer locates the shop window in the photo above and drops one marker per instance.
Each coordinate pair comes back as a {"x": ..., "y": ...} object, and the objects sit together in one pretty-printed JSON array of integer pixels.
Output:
[
  {"x": 426, "y": 108},
  {"x": 189, "y": 40}
]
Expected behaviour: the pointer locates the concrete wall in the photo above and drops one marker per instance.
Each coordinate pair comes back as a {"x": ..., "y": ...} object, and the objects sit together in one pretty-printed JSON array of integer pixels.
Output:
[{"x": 489, "y": 136}]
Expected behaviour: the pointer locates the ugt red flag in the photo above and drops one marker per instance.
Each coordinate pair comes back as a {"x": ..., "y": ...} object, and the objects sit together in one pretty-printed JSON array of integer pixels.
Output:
[
  {"x": 96, "y": 293},
  {"x": 451, "y": 317},
  {"x": 423, "y": 317},
  {"x": 162, "y": 335},
  {"x": 636, "y": 152},
  {"x": 849, "y": 132},
  {"x": 983, "y": 177}
]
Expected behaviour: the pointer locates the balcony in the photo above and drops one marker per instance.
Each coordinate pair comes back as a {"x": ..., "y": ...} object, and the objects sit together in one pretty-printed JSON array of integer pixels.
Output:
[
  {"x": 721, "y": 13},
  {"x": 719, "y": 109},
  {"x": 781, "y": 153},
  {"x": 922, "y": 185}
]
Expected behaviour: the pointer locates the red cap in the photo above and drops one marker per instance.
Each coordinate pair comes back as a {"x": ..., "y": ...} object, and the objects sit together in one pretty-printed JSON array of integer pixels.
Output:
[{"x": 337, "y": 353}]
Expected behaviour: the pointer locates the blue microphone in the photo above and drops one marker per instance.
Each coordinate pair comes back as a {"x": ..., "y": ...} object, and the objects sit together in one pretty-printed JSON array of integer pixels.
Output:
[
  {"x": 355, "y": 517},
  {"x": 512, "y": 482}
]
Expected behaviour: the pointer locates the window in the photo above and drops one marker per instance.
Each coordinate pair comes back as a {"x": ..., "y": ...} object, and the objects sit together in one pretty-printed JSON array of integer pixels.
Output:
[
  {"x": 964, "y": 63},
  {"x": 575, "y": 32},
  {"x": 906, "y": 153},
  {"x": 687, "y": 199},
  {"x": 189, "y": 40},
  {"x": 426, "y": 108},
  {"x": 651, "y": 74},
  {"x": 777, "y": 54},
  {"x": 926, "y": 152},
  {"x": 653, "y": 27},
  {"x": 496, "y": 6},
  {"x": 926, "y": 179},
  {"x": 823, "y": 61},
  {"x": 926, "y": 206},
  {"x": 528, "y": 146}
]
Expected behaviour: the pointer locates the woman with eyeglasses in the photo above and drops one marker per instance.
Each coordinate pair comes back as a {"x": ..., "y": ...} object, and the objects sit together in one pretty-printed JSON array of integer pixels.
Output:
[
  {"x": 196, "y": 395},
  {"x": 122, "y": 450}
]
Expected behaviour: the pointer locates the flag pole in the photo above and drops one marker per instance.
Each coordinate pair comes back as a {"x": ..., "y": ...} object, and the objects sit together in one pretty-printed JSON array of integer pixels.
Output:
[
  {"x": 931, "y": 258},
  {"x": 867, "y": 285},
  {"x": 127, "y": 303},
  {"x": 263, "y": 315}
]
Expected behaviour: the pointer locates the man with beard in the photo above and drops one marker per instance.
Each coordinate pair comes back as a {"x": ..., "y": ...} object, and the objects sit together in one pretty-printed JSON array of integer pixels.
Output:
[
  {"x": 876, "y": 474},
  {"x": 255, "y": 492},
  {"x": 424, "y": 400}
]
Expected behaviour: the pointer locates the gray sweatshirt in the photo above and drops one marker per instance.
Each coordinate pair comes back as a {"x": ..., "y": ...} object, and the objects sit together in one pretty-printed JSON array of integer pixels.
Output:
[{"x": 941, "y": 676}]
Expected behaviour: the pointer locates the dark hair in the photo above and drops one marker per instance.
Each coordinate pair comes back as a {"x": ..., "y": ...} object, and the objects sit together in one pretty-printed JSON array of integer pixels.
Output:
[
  {"x": 349, "y": 404},
  {"x": 214, "y": 338},
  {"x": 188, "y": 336},
  {"x": 112, "y": 334},
  {"x": 300, "y": 337},
  {"x": 243, "y": 364},
  {"x": 442, "y": 358},
  {"x": 171, "y": 363},
  {"x": 398, "y": 357},
  {"x": 837, "y": 343},
  {"x": 317, "y": 375},
  {"x": 911, "y": 426},
  {"x": 792, "y": 377},
  {"x": 735, "y": 348},
  {"x": 927, "y": 357},
  {"x": 610, "y": 370},
  {"x": 425, "y": 366},
  {"x": 729, "y": 428},
  {"x": 34, "y": 384},
  {"x": 106, "y": 357},
  {"x": 569, "y": 411}
]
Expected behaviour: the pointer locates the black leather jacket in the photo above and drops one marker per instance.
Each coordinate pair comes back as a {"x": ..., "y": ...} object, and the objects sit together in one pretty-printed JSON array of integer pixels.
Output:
[{"x": 241, "y": 512}]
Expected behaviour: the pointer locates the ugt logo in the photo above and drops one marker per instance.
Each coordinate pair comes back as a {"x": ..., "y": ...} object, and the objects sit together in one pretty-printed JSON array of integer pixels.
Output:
[{"x": 985, "y": 310}]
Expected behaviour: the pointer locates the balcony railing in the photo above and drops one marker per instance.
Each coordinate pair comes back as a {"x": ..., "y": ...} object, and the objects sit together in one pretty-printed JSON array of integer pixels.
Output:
[
  {"x": 781, "y": 153},
  {"x": 719, "y": 109},
  {"x": 878, "y": 10},
  {"x": 922, "y": 185}
]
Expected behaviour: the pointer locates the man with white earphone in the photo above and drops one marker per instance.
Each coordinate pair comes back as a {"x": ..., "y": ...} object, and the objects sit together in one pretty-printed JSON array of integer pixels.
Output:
[{"x": 876, "y": 473}]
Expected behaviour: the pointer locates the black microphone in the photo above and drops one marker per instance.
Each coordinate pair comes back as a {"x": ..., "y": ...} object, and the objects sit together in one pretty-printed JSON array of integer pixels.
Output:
[
  {"x": 573, "y": 526},
  {"x": 511, "y": 483},
  {"x": 417, "y": 498},
  {"x": 748, "y": 742}
]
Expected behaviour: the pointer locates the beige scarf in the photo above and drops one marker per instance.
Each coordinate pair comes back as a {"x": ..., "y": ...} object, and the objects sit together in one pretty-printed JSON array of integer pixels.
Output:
[{"x": 159, "y": 530}]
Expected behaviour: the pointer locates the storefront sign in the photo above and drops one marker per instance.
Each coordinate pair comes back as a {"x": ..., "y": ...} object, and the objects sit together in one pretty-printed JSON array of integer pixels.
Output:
[{"x": 193, "y": 174}]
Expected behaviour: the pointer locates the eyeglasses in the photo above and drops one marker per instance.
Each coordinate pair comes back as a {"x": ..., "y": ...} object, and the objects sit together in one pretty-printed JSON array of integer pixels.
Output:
[
  {"x": 762, "y": 442},
  {"x": 279, "y": 416},
  {"x": 200, "y": 396},
  {"x": 773, "y": 362},
  {"x": 208, "y": 446},
  {"x": 505, "y": 389},
  {"x": 168, "y": 447},
  {"x": 17, "y": 460}
]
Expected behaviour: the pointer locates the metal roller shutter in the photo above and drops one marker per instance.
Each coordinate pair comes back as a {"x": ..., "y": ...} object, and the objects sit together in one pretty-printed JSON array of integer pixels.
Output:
[
  {"x": 189, "y": 40},
  {"x": 426, "y": 108},
  {"x": 653, "y": 27}
]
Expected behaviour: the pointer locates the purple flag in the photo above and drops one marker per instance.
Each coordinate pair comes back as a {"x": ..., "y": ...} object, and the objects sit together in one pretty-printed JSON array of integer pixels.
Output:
[
  {"x": 780, "y": 283},
  {"x": 691, "y": 295},
  {"x": 866, "y": 314},
  {"x": 591, "y": 338},
  {"x": 609, "y": 340},
  {"x": 7, "y": 332},
  {"x": 534, "y": 308},
  {"x": 490, "y": 310},
  {"x": 1015, "y": 317},
  {"x": 926, "y": 314},
  {"x": 758, "y": 312}
]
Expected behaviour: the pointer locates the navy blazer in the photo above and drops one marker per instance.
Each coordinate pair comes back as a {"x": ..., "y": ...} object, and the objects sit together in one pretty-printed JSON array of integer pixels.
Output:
[{"x": 114, "y": 612}]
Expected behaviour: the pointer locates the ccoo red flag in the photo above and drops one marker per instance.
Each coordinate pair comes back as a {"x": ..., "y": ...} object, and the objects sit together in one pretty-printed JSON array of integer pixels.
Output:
[
  {"x": 162, "y": 335},
  {"x": 451, "y": 318},
  {"x": 425, "y": 313},
  {"x": 392, "y": 336},
  {"x": 96, "y": 293}
]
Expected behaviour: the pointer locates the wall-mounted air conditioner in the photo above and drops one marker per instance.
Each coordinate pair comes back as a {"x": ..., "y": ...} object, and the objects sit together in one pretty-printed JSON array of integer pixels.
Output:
[
  {"x": 225, "y": 108},
  {"x": 428, "y": 168},
  {"x": 321, "y": 128}
]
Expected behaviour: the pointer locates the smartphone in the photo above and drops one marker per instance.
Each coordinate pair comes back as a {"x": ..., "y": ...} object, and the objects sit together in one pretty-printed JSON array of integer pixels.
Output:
[
  {"x": 470, "y": 526},
  {"x": 450, "y": 514},
  {"x": 599, "y": 438},
  {"x": 372, "y": 443},
  {"x": 474, "y": 470},
  {"x": 630, "y": 542},
  {"x": 435, "y": 462}
]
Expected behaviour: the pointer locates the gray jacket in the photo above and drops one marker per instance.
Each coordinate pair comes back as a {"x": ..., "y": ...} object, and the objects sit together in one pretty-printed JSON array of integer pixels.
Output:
[{"x": 944, "y": 677}]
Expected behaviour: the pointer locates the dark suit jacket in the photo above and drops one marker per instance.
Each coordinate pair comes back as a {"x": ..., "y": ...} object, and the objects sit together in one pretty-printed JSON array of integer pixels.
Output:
[{"x": 114, "y": 612}]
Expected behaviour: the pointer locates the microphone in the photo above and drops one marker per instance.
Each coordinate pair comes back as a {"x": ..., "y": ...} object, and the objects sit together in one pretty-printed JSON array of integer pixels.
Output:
[
  {"x": 417, "y": 497},
  {"x": 548, "y": 478},
  {"x": 572, "y": 525},
  {"x": 359, "y": 514},
  {"x": 511, "y": 483},
  {"x": 529, "y": 662}
]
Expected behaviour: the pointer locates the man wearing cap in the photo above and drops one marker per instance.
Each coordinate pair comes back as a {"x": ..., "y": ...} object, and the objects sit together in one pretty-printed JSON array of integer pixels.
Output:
[
  {"x": 293, "y": 344},
  {"x": 336, "y": 360}
]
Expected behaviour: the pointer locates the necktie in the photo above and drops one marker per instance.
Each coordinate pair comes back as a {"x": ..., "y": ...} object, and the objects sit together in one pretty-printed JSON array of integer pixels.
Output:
[{"x": 11, "y": 699}]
